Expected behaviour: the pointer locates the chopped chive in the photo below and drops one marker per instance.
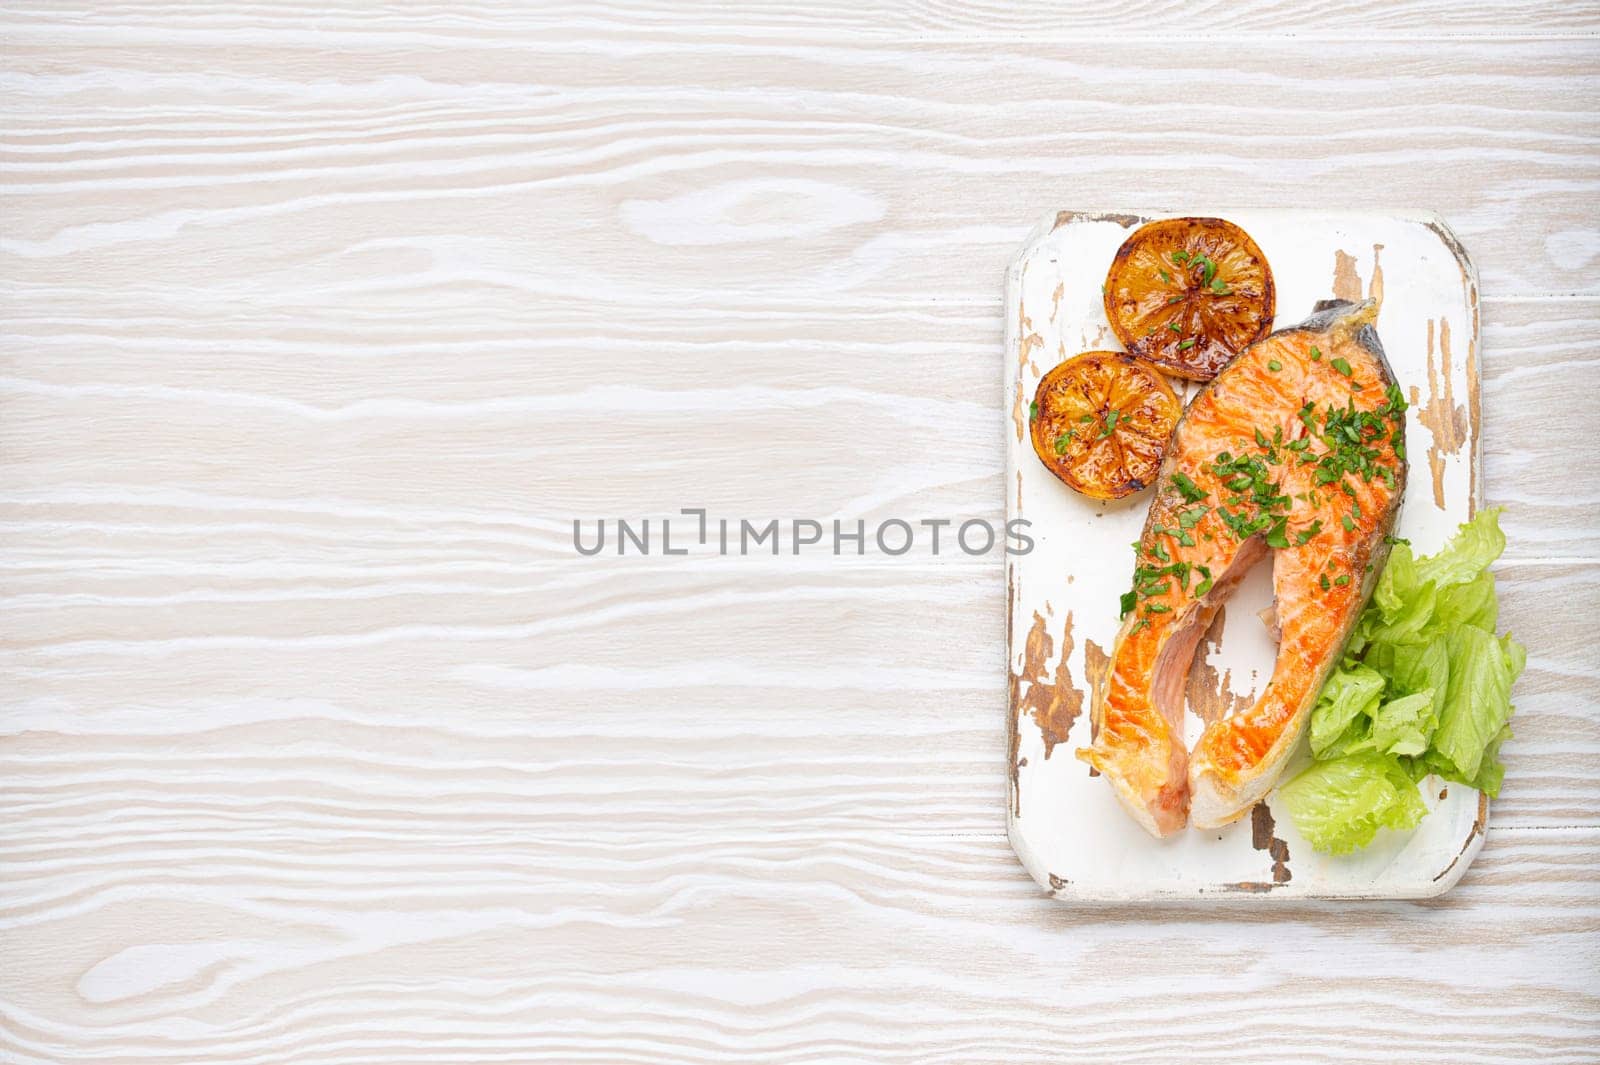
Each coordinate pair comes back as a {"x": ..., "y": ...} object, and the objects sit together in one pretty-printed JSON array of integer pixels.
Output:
[
  {"x": 1185, "y": 345},
  {"x": 1175, "y": 327},
  {"x": 1166, "y": 277},
  {"x": 1341, "y": 365},
  {"x": 1274, "y": 365},
  {"x": 1180, "y": 256},
  {"x": 1157, "y": 608}
]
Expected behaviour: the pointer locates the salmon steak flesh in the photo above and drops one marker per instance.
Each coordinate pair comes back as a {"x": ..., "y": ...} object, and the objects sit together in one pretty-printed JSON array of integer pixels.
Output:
[{"x": 1295, "y": 450}]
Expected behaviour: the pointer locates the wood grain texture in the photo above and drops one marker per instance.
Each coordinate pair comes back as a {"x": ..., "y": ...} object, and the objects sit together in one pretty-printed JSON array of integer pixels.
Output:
[{"x": 321, "y": 324}]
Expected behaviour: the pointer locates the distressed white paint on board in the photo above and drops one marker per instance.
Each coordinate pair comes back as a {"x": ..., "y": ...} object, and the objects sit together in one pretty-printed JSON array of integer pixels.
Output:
[{"x": 1067, "y": 826}]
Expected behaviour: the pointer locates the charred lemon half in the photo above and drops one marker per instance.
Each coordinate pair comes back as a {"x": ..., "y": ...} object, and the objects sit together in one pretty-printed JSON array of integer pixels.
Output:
[
  {"x": 1100, "y": 422},
  {"x": 1188, "y": 294}
]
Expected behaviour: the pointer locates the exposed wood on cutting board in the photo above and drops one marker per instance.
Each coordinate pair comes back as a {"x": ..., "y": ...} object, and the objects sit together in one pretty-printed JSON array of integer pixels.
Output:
[
  {"x": 1053, "y": 700},
  {"x": 1263, "y": 837},
  {"x": 1210, "y": 694},
  {"x": 1444, "y": 418}
]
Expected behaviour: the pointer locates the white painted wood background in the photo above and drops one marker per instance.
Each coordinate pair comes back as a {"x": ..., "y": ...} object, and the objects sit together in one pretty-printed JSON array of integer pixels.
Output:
[{"x": 322, "y": 321}]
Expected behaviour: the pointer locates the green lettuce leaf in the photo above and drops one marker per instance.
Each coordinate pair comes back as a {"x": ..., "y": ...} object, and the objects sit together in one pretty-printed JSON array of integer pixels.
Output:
[
  {"x": 1349, "y": 696},
  {"x": 1422, "y": 667},
  {"x": 1469, "y": 603},
  {"x": 1477, "y": 705},
  {"x": 1424, "y": 687},
  {"x": 1471, "y": 550},
  {"x": 1404, "y": 725},
  {"x": 1339, "y": 805}
]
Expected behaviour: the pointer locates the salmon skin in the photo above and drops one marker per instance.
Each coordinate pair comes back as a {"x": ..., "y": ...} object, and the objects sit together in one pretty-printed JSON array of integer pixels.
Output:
[{"x": 1297, "y": 449}]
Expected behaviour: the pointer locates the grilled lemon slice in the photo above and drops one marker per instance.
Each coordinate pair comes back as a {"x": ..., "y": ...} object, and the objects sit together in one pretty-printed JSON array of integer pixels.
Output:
[
  {"x": 1188, "y": 294},
  {"x": 1100, "y": 422}
]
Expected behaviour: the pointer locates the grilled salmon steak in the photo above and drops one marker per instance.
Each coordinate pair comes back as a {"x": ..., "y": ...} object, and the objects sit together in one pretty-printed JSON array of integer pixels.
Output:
[{"x": 1297, "y": 449}]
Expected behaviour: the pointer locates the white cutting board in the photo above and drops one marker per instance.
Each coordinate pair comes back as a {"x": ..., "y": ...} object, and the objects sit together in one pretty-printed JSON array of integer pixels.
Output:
[{"x": 1065, "y": 825}]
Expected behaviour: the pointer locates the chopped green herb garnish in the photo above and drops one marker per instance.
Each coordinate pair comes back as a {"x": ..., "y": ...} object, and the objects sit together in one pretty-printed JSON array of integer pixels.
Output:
[
  {"x": 1342, "y": 580},
  {"x": 1033, "y": 411},
  {"x": 1187, "y": 488},
  {"x": 1323, "y": 580},
  {"x": 1175, "y": 327},
  {"x": 1187, "y": 344},
  {"x": 1304, "y": 535},
  {"x": 1129, "y": 601},
  {"x": 1180, "y": 256},
  {"x": 1111, "y": 423},
  {"x": 1316, "y": 356},
  {"x": 1274, "y": 365},
  {"x": 1341, "y": 365},
  {"x": 1166, "y": 277},
  {"x": 1349, "y": 524},
  {"x": 1064, "y": 441}
]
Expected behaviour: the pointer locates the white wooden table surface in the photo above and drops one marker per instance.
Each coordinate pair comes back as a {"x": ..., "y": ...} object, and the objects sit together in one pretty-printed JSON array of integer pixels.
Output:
[{"x": 321, "y": 323}]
